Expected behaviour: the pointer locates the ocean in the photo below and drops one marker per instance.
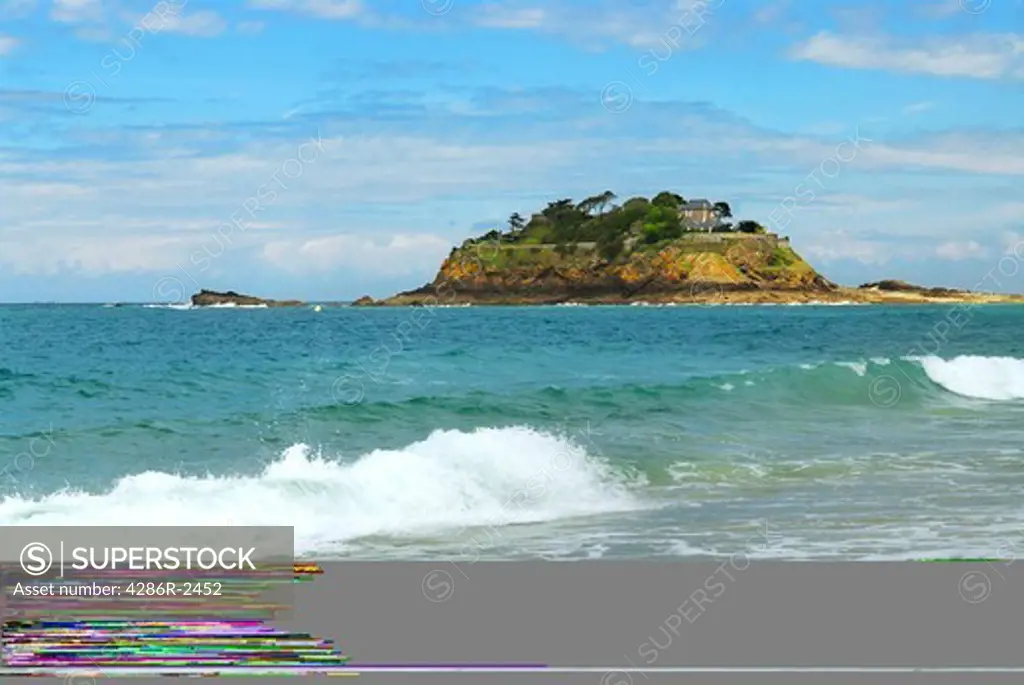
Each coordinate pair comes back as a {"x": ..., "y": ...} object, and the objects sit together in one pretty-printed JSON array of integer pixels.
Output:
[{"x": 832, "y": 432}]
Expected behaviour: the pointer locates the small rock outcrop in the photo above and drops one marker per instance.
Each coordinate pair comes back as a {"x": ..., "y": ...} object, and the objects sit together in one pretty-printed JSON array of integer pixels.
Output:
[
  {"x": 212, "y": 298},
  {"x": 897, "y": 286}
]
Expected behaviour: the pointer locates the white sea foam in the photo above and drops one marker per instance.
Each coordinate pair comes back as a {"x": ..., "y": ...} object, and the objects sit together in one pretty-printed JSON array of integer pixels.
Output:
[
  {"x": 219, "y": 305},
  {"x": 233, "y": 305},
  {"x": 449, "y": 481},
  {"x": 989, "y": 378},
  {"x": 820, "y": 303},
  {"x": 859, "y": 368}
]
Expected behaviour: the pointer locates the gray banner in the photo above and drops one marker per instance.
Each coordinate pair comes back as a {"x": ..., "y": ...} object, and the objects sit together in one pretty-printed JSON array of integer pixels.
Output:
[
  {"x": 626, "y": 623},
  {"x": 624, "y": 615},
  {"x": 162, "y": 573}
]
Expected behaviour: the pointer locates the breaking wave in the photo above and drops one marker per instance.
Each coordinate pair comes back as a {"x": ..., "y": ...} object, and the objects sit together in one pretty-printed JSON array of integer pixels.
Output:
[{"x": 451, "y": 480}]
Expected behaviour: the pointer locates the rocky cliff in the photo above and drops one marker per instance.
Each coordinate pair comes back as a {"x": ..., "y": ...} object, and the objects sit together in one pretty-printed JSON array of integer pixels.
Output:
[
  {"x": 692, "y": 268},
  {"x": 704, "y": 270}
]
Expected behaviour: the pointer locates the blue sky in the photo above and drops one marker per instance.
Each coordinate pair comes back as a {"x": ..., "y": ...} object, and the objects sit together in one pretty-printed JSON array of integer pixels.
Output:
[{"x": 326, "y": 149}]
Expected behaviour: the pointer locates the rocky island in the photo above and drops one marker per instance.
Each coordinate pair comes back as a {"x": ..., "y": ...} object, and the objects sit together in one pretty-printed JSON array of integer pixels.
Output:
[
  {"x": 659, "y": 250},
  {"x": 212, "y": 298}
]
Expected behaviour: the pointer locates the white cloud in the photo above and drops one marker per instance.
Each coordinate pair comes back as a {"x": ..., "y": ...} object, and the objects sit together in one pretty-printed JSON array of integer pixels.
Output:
[
  {"x": 917, "y": 108},
  {"x": 18, "y": 8},
  {"x": 324, "y": 9},
  {"x": 46, "y": 191},
  {"x": 997, "y": 153},
  {"x": 92, "y": 256},
  {"x": 96, "y": 20},
  {"x": 940, "y": 9},
  {"x": 948, "y": 156},
  {"x": 75, "y": 11},
  {"x": 665, "y": 26},
  {"x": 169, "y": 207},
  {"x": 958, "y": 250},
  {"x": 497, "y": 16},
  {"x": 396, "y": 255},
  {"x": 1006, "y": 212},
  {"x": 204, "y": 24},
  {"x": 660, "y": 24},
  {"x": 981, "y": 56},
  {"x": 849, "y": 203},
  {"x": 838, "y": 246},
  {"x": 8, "y": 44},
  {"x": 1013, "y": 243},
  {"x": 54, "y": 241},
  {"x": 770, "y": 13}
]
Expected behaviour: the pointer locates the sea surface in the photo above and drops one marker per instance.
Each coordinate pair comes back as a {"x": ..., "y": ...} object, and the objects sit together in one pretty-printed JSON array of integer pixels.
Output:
[{"x": 797, "y": 432}]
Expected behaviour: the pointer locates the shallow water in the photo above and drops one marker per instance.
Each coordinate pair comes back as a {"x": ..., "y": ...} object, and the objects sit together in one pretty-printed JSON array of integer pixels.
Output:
[{"x": 563, "y": 432}]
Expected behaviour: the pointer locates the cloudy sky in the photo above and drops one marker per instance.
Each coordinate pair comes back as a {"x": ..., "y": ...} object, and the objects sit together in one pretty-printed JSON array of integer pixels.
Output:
[{"x": 326, "y": 149}]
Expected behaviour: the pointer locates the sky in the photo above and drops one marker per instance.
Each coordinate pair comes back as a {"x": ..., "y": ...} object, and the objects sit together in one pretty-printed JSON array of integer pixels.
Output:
[{"x": 329, "y": 149}]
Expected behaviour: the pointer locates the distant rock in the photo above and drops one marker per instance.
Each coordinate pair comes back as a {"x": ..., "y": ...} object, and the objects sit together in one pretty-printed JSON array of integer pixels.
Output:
[
  {"x": 212, "y": 298},
  {"x": 889, "y": 285},
  {"x": 892, "y": 285},
  {"x": 364, "y": 301}
]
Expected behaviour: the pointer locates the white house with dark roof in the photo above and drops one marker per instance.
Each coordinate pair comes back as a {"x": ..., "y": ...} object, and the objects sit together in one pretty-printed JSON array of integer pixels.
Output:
[{"x": 700, "y": 214}]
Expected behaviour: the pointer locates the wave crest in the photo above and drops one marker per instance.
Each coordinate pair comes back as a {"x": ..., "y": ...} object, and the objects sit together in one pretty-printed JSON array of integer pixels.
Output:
[
  {"x": 988, "y": 378},
  {"x": 452, "y": 479}
]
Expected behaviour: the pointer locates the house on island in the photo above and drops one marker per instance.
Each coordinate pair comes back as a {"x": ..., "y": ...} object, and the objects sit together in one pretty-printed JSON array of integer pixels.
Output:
[{"x": 700, "y": 215}]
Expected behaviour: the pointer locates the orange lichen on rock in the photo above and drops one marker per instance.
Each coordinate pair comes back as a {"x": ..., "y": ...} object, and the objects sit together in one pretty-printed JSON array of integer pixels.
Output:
[
  {"x": 673, "y": 265},
  {"x": 629, "y": 273},
  {"x": 458, "y": 269},
  {"x": 714, "y": 268}
]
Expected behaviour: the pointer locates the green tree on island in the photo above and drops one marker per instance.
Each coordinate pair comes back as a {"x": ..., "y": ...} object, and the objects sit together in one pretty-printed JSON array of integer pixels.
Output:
[
  {"x": 567, "y": 226},
  {"x": 560, "y": 210},
  {"x": 516, "y": 223},
  {"x": 661, "y": 223},
  {"x": 636, "y": 203},
  {"x": 588, "y": 205},
  {"x": 668, "y": 199},
  {"x": 605, "y": 199},
  {"x": 747, "y": 226}
]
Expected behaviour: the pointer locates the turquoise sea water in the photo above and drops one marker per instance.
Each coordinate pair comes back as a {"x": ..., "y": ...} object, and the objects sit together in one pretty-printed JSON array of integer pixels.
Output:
[{"x": 562, "y": 432}]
